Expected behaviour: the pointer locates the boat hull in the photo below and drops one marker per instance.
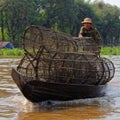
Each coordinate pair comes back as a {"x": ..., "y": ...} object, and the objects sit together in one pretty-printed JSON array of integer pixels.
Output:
[{"x": 37, "y": 91}]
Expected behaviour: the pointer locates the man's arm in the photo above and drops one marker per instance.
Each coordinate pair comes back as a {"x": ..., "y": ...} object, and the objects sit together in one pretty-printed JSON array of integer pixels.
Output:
[{"x": 80, "y": 33}]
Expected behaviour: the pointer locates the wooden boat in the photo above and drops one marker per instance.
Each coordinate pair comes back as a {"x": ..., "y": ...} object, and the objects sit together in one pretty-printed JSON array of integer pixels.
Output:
[
  {"x": 55, "y": 67},
  {"x": 37, "y": 91}
]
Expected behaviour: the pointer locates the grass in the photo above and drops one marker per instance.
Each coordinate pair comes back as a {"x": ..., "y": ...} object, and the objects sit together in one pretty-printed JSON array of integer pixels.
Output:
[
  {"x": 110, "y": 50},
  {"x": 20, "y": 52},
  {"x": 11, "y": 52}
]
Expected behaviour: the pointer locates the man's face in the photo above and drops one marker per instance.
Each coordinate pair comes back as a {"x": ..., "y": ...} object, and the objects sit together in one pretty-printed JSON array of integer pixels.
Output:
[{"x": 87, "y": 25}]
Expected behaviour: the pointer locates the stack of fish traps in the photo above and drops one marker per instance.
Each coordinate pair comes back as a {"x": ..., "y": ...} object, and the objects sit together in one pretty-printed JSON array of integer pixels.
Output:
[{"x": 52, "y": 56}]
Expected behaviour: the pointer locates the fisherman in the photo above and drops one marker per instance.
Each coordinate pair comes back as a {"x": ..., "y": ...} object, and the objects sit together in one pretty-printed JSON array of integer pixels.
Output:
[{"x": 87, "y": 30}]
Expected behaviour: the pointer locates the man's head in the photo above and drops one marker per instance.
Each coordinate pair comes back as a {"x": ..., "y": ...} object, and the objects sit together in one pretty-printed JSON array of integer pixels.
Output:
[
  {"x": 87, "y": 23},
  {"x": 87, "y": 20}
]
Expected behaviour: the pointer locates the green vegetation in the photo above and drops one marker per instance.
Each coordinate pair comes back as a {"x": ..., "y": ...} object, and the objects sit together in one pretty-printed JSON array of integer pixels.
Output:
[
  {"x": 110, "y": 50},
  {"x": 61, "y": 15},
  {"x": 11, "y": 52},
  {"x": 20, "y": 52}
]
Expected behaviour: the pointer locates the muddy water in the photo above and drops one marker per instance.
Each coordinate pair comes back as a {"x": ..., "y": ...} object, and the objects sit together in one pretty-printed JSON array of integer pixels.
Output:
[{"x": 13, "y": 105}]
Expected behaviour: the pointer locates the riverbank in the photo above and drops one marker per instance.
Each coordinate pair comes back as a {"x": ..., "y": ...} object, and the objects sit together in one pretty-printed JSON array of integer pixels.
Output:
[
  {"x": 11, "y": 52},
  {"x": 110, "y": 50},
  {"x": 16, "y": 52}
]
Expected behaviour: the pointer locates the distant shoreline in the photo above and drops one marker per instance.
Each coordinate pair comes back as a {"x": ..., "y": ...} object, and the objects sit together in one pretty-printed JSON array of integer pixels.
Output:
[{"x": 16, "y": 52}]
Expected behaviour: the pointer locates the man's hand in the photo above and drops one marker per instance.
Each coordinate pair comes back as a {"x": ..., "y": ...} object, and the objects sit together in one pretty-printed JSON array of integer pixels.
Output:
[{"x": 81, "y": 37}]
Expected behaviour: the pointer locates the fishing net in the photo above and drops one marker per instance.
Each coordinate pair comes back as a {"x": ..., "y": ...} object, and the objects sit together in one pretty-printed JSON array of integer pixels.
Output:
[{"x": 53, "y": 56}]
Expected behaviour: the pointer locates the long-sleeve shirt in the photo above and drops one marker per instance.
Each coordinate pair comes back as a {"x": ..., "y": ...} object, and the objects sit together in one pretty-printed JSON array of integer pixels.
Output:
[{"x": 92, "y": 32}]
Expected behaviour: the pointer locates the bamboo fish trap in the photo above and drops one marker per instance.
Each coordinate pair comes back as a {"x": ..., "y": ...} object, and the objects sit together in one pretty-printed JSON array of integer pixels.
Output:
[{"x": 53, "y": 56}]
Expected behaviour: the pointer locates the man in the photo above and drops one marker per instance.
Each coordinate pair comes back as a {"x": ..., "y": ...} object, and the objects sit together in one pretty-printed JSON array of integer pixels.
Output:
[{"x": 87, "y": 30}]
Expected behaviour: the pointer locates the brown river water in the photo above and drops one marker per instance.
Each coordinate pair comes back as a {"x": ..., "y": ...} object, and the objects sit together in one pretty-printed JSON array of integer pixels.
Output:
[{"x": 14, "y": 106}]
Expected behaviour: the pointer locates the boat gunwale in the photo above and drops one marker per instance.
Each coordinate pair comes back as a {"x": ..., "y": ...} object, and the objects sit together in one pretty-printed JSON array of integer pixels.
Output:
[{"x": 57, "y": 83}]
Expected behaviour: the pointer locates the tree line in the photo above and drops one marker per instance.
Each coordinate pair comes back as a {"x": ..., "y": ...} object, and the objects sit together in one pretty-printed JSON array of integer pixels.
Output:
[{"x": 61, "y": 15}]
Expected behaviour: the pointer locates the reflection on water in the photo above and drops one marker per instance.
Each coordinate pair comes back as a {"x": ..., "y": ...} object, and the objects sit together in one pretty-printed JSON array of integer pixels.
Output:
[
  {"x": 13, "y": 105},
  {"x": 85, "y": 112}
]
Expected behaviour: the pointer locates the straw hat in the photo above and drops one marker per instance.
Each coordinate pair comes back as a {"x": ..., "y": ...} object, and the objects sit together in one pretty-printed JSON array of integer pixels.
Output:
[{"x": 87, "y": 20}]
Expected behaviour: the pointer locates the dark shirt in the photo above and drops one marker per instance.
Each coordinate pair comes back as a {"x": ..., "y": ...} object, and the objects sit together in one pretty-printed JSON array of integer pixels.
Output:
[{"x": 92, "y": 32}]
